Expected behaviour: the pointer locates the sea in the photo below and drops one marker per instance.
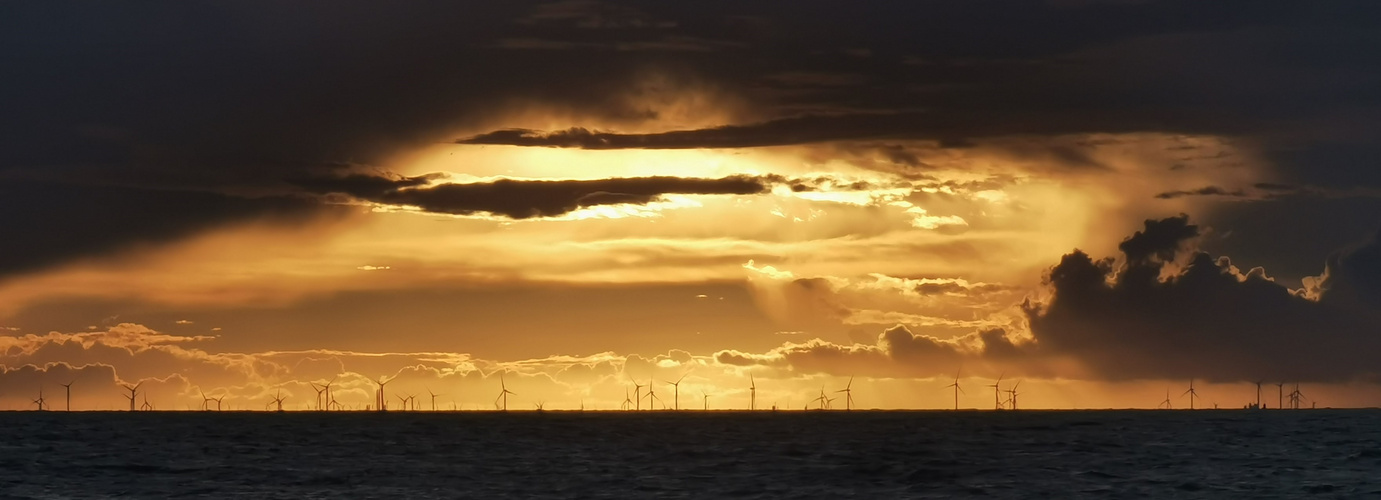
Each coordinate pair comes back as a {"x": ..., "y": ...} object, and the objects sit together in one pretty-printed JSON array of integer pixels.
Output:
[{"x": 693, "y": 454}]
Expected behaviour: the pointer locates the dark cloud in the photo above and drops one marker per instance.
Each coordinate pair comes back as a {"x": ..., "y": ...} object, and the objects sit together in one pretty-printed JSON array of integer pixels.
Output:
[
  {"x": 1160, "y": 241},
  {"x": 48, "y": 223},
  {"x": 523, "y": 199},
  {"x": 1149, "y": 318},
  {"x": 1353, "y": 275},
  {"x": 1206, "y": 320},
  {"x": 206, "y": 98},
  {"x": 935, "y": 125},
  {"x": 1203, "y": 191}
]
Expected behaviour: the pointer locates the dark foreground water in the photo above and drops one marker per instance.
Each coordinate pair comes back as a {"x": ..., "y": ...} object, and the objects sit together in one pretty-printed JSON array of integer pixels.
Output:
[{"x": 1093, "y": 454}]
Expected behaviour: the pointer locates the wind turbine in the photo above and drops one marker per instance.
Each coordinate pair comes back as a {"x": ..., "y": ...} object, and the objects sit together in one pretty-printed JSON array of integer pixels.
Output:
[
  {"x": 652, "y": 395},
  {"x": 402, "y": 401},
  {"x": 1295, "y": 397},
  {"x": 277, "y": 400},
  {"x": 637, "y": 393},
  {"x": 434, "y": 395},
  {"x": 1192, "y": 394},
  {"x": 848, "y": 395},
  {"x": 707, "y": 400},
  {"x": 821, "y": 398},
  {"x": 1258, "y": 394},
  {"x": 1012, "y": 394},
  {"x": 330, "y": 399},
  {"x": 1165, "y": 404},
  {"x": 68, "y": 386},
  {"x": 133, "y": 389},
  {"x": 379, "y": 400},
  {"x": 540, "y": 405},
  {"x": 503, "y": 393},
  {"x": 146, "y": 406},
  {"x": 218, "y": 402},
  {"x": 956, "y": 387},
  {"x": 319, "y": 392},
  {"x": 205, "y": 400},
  {"x": 676, "y": 386},
  {"x": 1280, "y": 396},
  {"x": 752, "y": 393},
  {"x": 626, "y": 401},
  {"x": 997, "y": 391},
  {"x": 40, "y": 401}
]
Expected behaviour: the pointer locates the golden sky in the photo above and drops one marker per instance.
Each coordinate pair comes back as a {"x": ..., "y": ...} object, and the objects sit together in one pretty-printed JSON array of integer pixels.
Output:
[{"x": 604, "y": 204}]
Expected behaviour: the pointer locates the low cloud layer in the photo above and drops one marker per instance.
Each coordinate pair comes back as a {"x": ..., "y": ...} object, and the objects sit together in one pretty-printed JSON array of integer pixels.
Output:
[{"x": 524, "y": 199}]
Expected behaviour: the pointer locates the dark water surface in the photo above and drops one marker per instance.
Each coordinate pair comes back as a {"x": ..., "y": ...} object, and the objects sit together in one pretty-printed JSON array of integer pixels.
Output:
[{"x": 1027, "y": 454}]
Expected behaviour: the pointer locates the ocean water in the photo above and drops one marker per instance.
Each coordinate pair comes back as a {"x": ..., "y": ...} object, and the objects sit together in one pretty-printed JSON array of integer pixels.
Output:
[{"x": 1023, "y": 454}]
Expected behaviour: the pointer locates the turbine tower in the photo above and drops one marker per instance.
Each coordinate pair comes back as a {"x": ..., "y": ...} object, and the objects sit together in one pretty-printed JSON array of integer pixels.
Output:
[
  {"x": 626, "y": 400},
  {"x": 330, "y": 400},
  {"x": 1296, "y": 397},
  {"x": 676, "y": 387},
  {"x": 277, "y": 401},
  {"x": 997, "y": 392},
  {"x": 707, "y": 400},
  {"x": 752, "y": 393},
  {"x": 133, "y": 390},
  {"x": 503, "y": 394},
  {"x": 319, "y": 391},
  {"x": 379, "y": 401},
  {"x": 956, "y": 387},
  {"x": 1192, "y": 394},
  {"x": 434, "y": 395},
  {"x": 68, "y": 387},
  {"x": 848, "y": 395},
  {"x": 652, "y": 395},
  {"x": 637, "y": 393}
]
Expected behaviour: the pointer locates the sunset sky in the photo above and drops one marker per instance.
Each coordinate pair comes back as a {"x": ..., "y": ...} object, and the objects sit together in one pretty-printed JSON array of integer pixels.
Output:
[{"x": 1102, "y": 199}]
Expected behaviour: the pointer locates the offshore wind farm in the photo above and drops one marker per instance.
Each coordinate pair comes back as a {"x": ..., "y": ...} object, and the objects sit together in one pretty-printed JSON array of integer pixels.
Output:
[{"x": 895, "y": 248}]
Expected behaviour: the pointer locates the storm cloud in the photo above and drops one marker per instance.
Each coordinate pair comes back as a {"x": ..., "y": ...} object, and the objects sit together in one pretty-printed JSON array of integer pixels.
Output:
[{"x": 1208, "y": 319}]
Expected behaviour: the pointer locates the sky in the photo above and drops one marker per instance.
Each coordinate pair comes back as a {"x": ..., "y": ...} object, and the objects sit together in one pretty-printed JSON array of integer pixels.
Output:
[{"x": 1099, "y": 199}]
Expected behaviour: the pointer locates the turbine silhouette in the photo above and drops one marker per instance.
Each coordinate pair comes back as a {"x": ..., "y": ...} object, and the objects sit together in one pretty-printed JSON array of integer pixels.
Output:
[
  {"x": 1192, "y": 394},
  {"x": 956, "y": 387},
  {"x": 637, "y": 393},
  {"x": 277, "y": 401},
  {"x": 752, "y": 393},
  {"x": 380, "y": 402},
  {"x": 68, "y": 387},
  {"x": 503, "y": 394},
  {"x": 848, "y": 395},
  {"x": 133, "y": 390},
  {"x": 997, "y": 392},
  {"x": 676, "y": 387}
]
